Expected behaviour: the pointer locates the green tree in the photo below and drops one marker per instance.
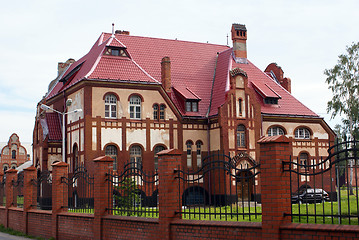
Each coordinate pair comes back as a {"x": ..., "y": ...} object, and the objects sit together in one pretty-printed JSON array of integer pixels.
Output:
[
  {"x": 129, "y": 195},
  {"x": 343, "y": 81}
]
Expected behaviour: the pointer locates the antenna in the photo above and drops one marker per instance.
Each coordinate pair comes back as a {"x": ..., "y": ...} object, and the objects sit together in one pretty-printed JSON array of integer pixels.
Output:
[{"x": 113, "y": 30}]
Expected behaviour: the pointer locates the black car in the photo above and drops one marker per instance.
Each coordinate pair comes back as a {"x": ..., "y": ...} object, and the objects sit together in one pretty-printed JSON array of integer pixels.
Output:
[{"x": 310, "y": 195}]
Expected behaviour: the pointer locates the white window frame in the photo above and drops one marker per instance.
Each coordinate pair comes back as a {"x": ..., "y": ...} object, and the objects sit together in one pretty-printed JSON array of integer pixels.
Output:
[
  {"x": 135, "y": 107},
  {"x": 274, "y": 131},
  {"x": 110, "y": 106},
  {"x": 302, "y": 133}
]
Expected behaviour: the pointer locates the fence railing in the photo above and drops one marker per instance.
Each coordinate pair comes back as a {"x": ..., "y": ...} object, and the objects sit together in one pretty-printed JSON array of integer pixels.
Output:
[
  {"x": 326, "y": 190},
  {"x": 220, "y": 190},
  {"x": 18, "y": 186},
  {"x": 133, "y": 192},
  {"x": 80, "y": 187},
  {"x": 43, "y": 184}
]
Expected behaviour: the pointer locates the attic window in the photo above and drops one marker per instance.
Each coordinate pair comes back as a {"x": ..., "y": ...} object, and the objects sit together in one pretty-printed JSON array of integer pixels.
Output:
[
  {"x": 111, "y": 51},
  {"x": 191, "y": 106},
  {"x": 270, "y": 100}
]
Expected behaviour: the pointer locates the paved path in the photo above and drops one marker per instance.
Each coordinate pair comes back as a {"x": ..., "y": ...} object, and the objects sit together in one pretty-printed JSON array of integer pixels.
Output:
[{"x": 5, "y": 236}]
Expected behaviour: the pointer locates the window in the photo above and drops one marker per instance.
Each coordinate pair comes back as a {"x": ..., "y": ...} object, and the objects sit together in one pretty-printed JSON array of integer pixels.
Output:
[
  {"x": 303, "y": 158},
  {"x": 240, "y": 106},
  {"x": 136, "y": 156},
  {"x": 241, "y": 136},
  {"x": 191, "y": 106},
  {"x": 189, "y": 153},
  {"x": 5, "y": 167},
  {"x": 302, "y": 133},
  {"x": 75, "y": 160},
  {"x": 270, "y": 100},
  {"x": 13, "y": 154},
  {"x": 112, "y": 51},
  {"x": 155, "y": 112},
  {"x": 274, "y": 131},
  {"x": 162, "y": 112},
  {"x": 157, "y": 150},
  {"x": 199, "y": 153},
  {"x": 110, "y": 106},
  {"x": 111, "y": 151},
  {"x": 135, "y": 107}
]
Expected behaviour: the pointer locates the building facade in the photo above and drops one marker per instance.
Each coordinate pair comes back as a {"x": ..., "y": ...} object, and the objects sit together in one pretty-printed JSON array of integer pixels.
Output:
[
  {"x": 13, "y": 154},
  {"x": 141, "y": 95}
]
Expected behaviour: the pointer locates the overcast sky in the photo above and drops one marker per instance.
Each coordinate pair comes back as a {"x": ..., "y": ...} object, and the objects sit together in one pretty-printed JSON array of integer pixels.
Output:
[{"x": 303, "y": 37}]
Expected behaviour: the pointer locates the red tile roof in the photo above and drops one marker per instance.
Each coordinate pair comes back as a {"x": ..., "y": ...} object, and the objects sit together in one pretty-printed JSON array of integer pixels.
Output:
[
  {"x": 196, "y": 72},
  {"x": 53, "y": 121}
]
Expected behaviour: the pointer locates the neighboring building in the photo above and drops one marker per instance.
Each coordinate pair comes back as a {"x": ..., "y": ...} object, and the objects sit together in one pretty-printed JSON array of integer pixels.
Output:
[
  {"x": 13, "y": 154},
  {"x": 140, "y": 95}
]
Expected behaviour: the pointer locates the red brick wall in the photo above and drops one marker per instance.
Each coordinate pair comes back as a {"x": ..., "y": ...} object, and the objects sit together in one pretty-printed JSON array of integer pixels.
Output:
[
  {"x": 2, "y": 215},
  {"x": 115, "y": 227},
  {"x": 319, "y": 231},
  {"x": 188, "y": 229},
  {"x": 16, "y": 219},
  {"x": 75, "y": 226},
  {"x": 38, "y": 223}
]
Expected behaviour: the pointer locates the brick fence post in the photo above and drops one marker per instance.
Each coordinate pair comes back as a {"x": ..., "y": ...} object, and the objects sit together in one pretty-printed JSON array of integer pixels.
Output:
[
  {"x": 59, "y": 194},
  {"x": 275, "y": 185},
  {"x": 11, "y": 175},
  {"x": 169, "y": 201},
  {"x": 29, "y": 192},
  {"x": 101, "y": 192}
]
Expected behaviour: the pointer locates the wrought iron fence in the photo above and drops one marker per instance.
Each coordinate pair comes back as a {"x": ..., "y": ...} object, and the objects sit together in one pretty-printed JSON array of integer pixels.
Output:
[
  {"x": 80, "y": 187},
  {"x": 222, "y": 189},
  {"x": 133, "y": 192},
  {"x": 326, "y": 190},
  {"x": 43, "y": 184},
  {"x": 3, "y": 190},
  {"x": 18, "y": 186}
]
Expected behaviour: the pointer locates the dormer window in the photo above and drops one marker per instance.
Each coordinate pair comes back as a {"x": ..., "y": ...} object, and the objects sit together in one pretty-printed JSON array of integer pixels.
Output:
[
  {"x": 114, "y": 51},
  {"x": 270, "y": 100},
  {"x": 191, "y": 106}
]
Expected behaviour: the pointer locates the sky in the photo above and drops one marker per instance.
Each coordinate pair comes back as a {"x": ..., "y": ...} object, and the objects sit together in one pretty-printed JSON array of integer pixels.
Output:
[{"x": 303, "y": 37}]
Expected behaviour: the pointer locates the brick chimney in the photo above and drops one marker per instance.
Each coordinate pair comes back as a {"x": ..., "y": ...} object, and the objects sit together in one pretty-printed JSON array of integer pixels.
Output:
[
  {"x": 239, "y": 38},
  {"x": 166, "y": 74},
  {"x": 123, "y": 32}
]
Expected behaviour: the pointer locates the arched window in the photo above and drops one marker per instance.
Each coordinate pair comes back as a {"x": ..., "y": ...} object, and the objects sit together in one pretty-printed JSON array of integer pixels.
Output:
[
  {"x": 302, "y": 133},
  {"x": 274, "y": 131},
  {"x": 135, "y": 107},
  {"x": 303, "y": 158},
  {"x": 5, "y": 167},
  {"x": 111, "y": 151},
  {"x": 13, "y": 166},
  {"x": 199, "y": 153},
  {"x": 13, "y": 154},
  {"x": 136, "y": 156},
  {"x": 241, "y": 136},
  {"x": 162, "y": 112},
  {"x": 155, "y": 112},
  {"x": 75, "y": 160},
  {"x": 110, "y": 106},
  {"x": 157, "y": 150},
  {"x": 189, "y": 153}
]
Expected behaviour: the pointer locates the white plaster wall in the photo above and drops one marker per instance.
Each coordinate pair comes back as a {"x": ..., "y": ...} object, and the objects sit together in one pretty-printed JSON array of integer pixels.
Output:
[
  {"x": 136, "y": 136},
  {"x": 159, "y": 136},
  {"x": 195, "y": 135},
  {"x": 111, "y": 135},
  {"x": 214, "y": 139},
  {"x": 77, "y": 103},
  {"x": 94, "y": 138}
]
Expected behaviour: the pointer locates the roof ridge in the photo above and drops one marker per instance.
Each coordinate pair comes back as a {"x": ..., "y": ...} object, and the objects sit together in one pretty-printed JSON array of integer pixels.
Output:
[{"x": 167, "y": 39}]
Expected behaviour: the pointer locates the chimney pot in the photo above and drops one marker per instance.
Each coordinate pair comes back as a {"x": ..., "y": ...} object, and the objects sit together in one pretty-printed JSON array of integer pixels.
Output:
[{"x": 239, "y": 38}]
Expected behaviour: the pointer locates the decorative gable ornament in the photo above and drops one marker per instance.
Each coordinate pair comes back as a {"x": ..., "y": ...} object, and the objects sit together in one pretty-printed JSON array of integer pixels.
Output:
[{"x": 237, "y": 71}]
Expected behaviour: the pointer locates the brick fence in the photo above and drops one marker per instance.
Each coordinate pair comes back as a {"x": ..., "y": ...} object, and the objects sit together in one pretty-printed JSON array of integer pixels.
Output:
[{"x": 61, "y": 224}]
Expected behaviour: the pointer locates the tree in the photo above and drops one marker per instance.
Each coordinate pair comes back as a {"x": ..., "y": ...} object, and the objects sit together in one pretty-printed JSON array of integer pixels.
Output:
[
  {"x": 343, "y": 81},
  {"x": 128, "y": 196}
]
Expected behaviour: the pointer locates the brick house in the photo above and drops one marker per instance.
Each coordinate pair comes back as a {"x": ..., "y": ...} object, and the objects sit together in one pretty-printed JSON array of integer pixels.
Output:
[
  {"x": 13, "y": 154},
  {"x": 141, "y": 95}
]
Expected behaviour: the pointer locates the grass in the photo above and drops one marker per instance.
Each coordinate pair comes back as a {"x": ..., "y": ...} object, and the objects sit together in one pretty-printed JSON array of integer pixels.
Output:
[{"x": 17, "y": 233}]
